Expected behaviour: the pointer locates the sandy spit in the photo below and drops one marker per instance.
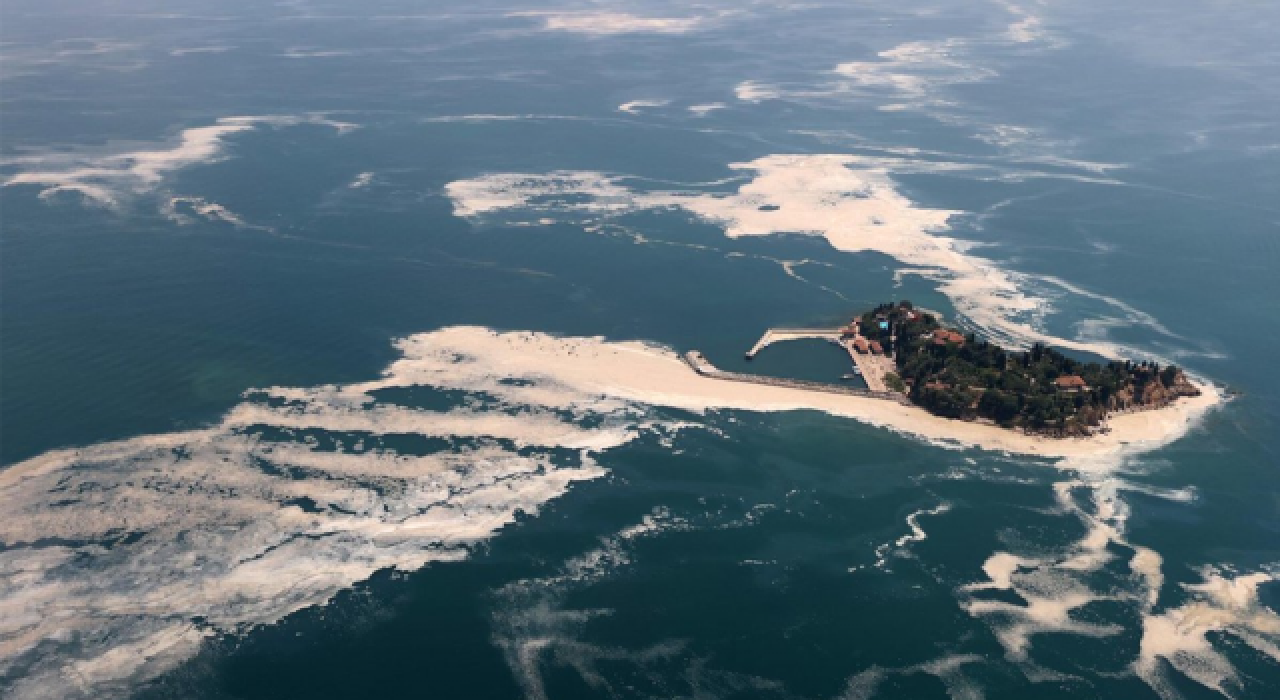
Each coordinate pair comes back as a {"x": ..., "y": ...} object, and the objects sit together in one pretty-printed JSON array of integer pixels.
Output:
[{"x": 650, "y": 374}]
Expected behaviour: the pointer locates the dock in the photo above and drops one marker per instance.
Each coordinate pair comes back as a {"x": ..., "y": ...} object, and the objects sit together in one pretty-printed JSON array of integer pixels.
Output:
[
  {"x": 872, "y": 367},
  {"x": 705, "y": 368}
]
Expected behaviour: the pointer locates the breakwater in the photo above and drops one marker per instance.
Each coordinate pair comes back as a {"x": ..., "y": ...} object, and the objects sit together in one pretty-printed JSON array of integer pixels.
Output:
[
  {"x": 775, "y": 335},
  {"x": 703, "y": 366}
]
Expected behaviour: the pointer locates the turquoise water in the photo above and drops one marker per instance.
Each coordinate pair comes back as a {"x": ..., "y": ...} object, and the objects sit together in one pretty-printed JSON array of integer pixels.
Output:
[{"x": 743, "y": 555}]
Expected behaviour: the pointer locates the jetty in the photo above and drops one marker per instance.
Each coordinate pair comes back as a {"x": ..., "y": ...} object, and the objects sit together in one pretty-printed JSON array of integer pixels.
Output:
[
  {"x": 705, "y": 368},
  {"x": 777, "y": 335}
]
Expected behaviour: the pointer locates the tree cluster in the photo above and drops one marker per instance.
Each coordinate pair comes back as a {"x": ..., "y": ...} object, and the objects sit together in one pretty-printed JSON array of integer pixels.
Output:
[{"x": 976, "y": 379}]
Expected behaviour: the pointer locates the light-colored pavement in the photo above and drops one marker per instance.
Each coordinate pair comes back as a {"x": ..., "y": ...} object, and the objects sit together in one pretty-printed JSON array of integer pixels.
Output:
[{"x": 872, "y": 367}]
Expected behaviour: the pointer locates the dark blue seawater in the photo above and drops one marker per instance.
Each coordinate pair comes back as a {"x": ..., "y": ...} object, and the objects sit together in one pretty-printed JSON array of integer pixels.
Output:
[{"x": 1121, "y": 164}]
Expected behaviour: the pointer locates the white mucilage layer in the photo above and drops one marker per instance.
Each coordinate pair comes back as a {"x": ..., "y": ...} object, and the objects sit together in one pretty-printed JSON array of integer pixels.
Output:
[
  {"x": 604, "y": 23},
  {"x": 1055, "y": 586},
  {"x": 111, "y": 178},
  {"x": 122, "y": 557},
  {"x": 851, "y": 201},
  {"x": 115, "y": 551}
]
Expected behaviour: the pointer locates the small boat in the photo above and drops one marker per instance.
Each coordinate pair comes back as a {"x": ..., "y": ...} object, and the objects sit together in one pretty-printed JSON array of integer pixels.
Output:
[{"x": 848, "y": 377}]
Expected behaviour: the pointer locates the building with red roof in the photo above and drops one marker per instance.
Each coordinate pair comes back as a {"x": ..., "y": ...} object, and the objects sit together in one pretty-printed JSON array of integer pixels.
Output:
[
  {"x": 943, "y": 337},
  {"x": 1070, "y": 382}
]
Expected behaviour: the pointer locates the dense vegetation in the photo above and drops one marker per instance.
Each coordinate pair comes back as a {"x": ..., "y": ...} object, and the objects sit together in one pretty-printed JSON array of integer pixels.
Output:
[{"x": 1040, "y": 390}]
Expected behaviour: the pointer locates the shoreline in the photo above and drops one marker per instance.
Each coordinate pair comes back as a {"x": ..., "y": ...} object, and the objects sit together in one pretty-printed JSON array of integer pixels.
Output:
[
  {"x": 240, "y": 512},
  {"x": 655, "y": 375},
  {"x": 1160, "y": 423},
  {"x": 578, "y": 372}
]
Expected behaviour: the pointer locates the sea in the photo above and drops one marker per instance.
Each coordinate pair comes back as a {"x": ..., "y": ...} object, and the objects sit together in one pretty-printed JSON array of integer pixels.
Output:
[{"x": 258, "y": 441}]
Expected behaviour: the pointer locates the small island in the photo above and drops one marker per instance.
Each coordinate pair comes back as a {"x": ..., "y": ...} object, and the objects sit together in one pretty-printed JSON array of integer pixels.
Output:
[
  {"x": 1040, "y": 391},
  {"x": 906, "y": 355}
]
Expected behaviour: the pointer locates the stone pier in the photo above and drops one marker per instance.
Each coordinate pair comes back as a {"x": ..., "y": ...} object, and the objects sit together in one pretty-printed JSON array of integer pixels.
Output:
[{"x": 777, "y": 335}]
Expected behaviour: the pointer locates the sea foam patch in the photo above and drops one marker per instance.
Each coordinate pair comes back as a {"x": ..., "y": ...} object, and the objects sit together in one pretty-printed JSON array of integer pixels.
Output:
[
  {"x": 1054, "y": 586},
  {"x": 914, "y": 74},
  {"x": 605, "y": 23},
  {"x": 912, "y": 70},
  {"x": 534, "y": 624},
  {"x": 919, "y": 75},
  {"x": 120, "y": 558},
  {"x": 850, "y": 200},
  {"x": 184, "y": 210},
  {"x": 911, "y": 75},
  {"x": 108, "y": 179},
  {"x": 636, "y": 106},
  {"x": 1053, "y": 583},
  {"x": 1224, "y": 603}
]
